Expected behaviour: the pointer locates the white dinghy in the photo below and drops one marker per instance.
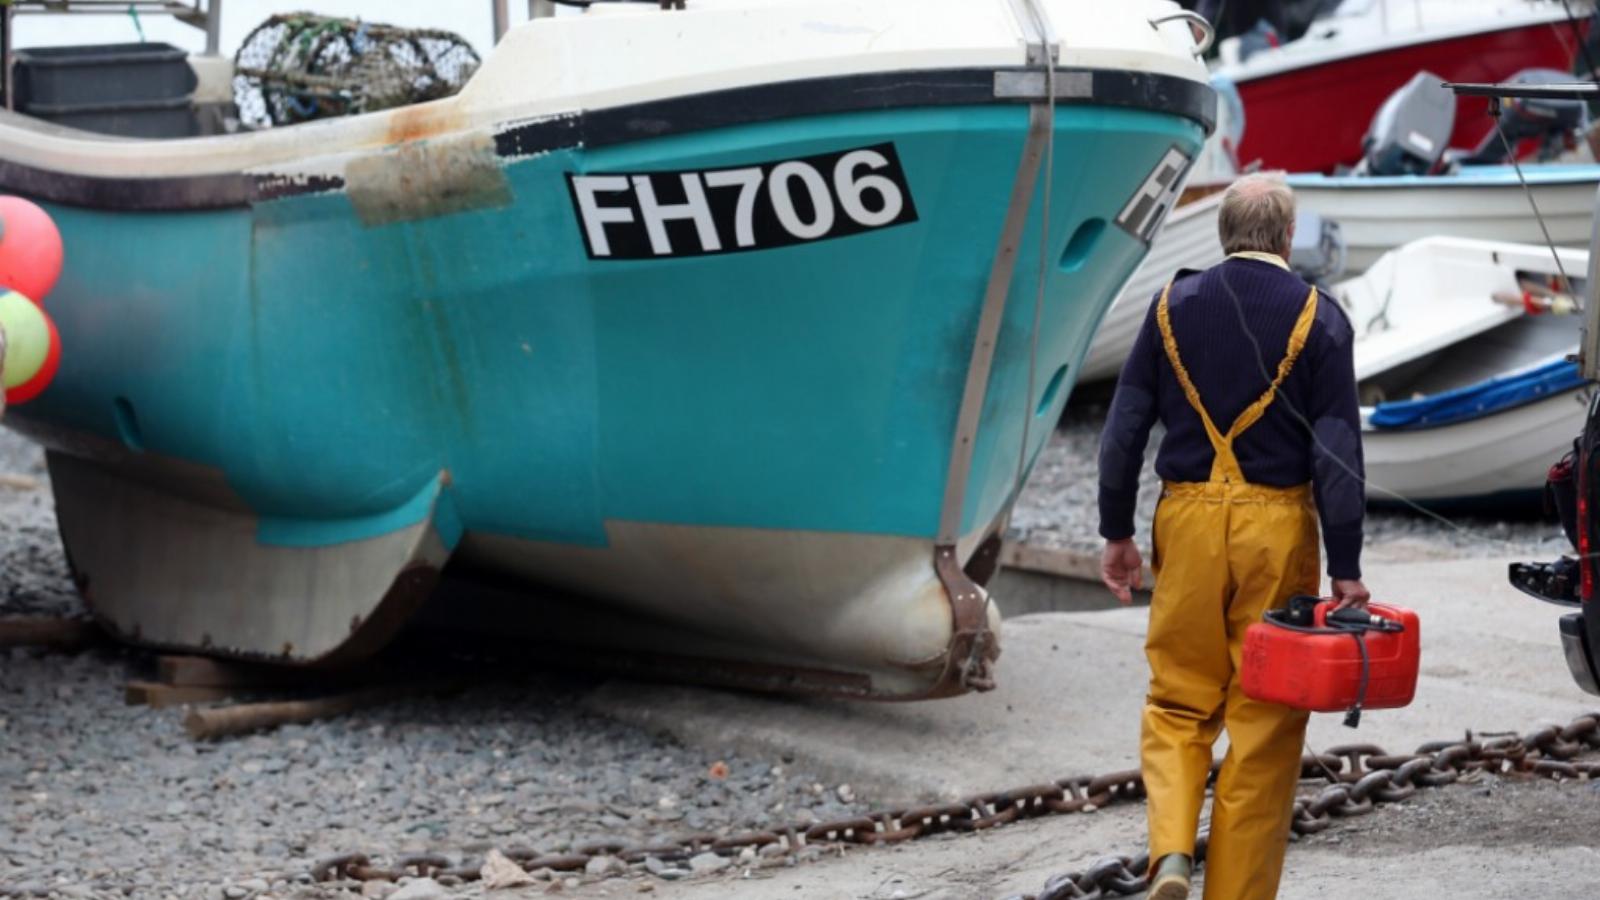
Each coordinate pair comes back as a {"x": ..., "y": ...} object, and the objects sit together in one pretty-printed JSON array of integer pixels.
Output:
[
  {"x": 1378, "y": 213},
  {"x": 1464, "y": 396}
]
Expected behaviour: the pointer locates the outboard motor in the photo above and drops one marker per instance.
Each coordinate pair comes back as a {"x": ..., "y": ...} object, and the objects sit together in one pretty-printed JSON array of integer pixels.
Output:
[
  {"x": 1318, "y": 251},
  {"x": 1411, "y": 131},
  {"x": 1554, "y": 122}
]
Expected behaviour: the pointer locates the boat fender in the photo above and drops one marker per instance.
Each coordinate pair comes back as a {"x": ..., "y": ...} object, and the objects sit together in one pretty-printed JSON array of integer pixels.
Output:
[
  {"x": 32, "y": 347},
  {"x": 30, "y": 248}
]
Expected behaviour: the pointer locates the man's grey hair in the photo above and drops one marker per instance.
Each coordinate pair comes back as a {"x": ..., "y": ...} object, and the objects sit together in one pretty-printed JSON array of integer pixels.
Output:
[{"x": 1257, "y": 214}]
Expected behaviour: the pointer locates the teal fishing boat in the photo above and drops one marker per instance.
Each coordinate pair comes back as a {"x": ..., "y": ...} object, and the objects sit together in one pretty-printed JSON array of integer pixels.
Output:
[{"x": 736, "y": 327}]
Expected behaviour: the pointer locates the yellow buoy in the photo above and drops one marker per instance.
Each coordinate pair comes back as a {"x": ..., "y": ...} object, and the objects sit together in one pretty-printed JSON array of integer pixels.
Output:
[{"x": 33, "y": 349}]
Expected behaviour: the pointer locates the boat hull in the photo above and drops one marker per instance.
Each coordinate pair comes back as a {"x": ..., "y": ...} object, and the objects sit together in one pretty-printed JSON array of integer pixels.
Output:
[
  {"x": 283, "y": 419},
  {"x": 1376, "y": 215},
  {"x": 1427, "y": 323},
  {"x": 1312, "y": 118},
  {"x": 1495, "y": 458}
]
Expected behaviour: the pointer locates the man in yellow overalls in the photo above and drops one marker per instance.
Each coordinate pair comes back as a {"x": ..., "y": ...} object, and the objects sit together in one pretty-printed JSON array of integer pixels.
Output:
[{"x": 1251, "y": 373}]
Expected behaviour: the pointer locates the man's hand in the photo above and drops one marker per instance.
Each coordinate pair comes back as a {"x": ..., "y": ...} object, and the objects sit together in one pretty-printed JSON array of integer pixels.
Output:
[
  {"x": 1350, "y": 593},
  {"x": 1122, "y": 569}
]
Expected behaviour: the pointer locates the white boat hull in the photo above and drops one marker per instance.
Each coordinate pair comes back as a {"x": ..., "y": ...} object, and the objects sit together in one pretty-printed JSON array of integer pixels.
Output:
[
  {"x": 1428, "y": 308},
  {"x": 1187, "y": 240},
  {"x": 1377, "y": 215},
  {"x": 1495, "y": 456}
]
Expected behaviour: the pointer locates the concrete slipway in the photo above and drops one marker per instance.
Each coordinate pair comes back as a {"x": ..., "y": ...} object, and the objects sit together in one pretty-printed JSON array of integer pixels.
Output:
[{"x": 1071, "y": 685}]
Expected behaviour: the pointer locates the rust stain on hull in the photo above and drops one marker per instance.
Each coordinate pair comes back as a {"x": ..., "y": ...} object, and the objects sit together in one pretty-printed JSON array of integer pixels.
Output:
[
  {"x": 421, "y": 179},
  {"x": 427, "y": 120}
]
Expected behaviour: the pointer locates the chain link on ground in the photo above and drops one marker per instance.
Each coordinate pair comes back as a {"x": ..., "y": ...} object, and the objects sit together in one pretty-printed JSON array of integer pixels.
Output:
[{"x": 1357, "y": 778}]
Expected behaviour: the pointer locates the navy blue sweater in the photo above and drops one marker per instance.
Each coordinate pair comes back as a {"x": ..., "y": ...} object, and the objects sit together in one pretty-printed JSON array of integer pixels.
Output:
[{"x": 1319, "y": 397}]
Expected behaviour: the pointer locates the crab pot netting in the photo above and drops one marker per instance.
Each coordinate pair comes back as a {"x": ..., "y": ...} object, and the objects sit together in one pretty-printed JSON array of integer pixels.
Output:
[{"x": 298, "y": 67}]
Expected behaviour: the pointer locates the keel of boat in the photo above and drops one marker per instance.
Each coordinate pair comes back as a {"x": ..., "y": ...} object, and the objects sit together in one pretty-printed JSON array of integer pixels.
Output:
[{"x": 168, "y": 571}]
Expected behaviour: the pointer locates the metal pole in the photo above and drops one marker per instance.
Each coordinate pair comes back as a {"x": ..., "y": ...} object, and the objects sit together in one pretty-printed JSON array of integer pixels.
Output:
[
  {"x": 502, "y": 19},
  {"x": 5, "y": 51},
  {"x": 213, "y": 27},
  {"x": 1589, "y": 345}
]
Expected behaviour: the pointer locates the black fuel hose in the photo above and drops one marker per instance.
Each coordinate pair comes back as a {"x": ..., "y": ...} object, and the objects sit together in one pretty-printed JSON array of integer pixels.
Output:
[{"x": 1356, "y": 623}]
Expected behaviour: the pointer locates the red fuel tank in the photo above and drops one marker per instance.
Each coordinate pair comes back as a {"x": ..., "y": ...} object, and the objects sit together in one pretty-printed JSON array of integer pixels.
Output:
[{"x": 1320, "y": 670}]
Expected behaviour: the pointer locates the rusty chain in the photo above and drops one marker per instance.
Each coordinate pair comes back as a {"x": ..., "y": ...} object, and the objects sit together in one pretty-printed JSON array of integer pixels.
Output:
[
  {"x": 1358, "y": 776},
  {"x": 1362, "y": 776}
]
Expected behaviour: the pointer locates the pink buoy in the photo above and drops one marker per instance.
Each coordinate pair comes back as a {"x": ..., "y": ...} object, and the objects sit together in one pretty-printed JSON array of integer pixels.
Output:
[{"x": 30, "y": 248}]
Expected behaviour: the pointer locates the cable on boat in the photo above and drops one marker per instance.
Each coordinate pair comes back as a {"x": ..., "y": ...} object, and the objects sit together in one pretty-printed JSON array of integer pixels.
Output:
[{"x": 1511, "y": 153}]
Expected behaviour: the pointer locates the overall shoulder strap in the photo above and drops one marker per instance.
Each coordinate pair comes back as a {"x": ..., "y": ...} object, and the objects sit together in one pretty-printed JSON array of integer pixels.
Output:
[{"x": 1220, "y": 444}]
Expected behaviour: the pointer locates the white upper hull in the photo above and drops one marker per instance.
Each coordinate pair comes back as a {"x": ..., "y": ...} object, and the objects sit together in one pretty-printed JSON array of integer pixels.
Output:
[
  {"x": 1188, "y": 240},
  {"x": 612, "y": 56},
  {"x": 1379, "y": 214}
]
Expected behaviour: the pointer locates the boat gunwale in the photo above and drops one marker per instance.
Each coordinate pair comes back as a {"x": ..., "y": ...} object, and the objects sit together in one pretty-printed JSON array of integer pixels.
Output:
[
  {"x": 1310, "y": 60},
  {"x": 609, "y": 126}
]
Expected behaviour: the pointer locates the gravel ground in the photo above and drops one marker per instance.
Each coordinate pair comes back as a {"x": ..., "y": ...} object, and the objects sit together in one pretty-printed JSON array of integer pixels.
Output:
[
  {"x": 107, "y": 800},
  {"x": 110, "y": 800},
  {"x": 1058, "y": 508}
]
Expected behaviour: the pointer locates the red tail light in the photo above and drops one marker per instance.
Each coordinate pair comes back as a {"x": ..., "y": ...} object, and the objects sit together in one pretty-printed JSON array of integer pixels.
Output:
[{"x": 1585, "y": 562}]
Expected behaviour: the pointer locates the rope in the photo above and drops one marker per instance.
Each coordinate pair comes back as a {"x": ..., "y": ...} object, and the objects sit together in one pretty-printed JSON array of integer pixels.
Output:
[{"x": 133, "y": 13}]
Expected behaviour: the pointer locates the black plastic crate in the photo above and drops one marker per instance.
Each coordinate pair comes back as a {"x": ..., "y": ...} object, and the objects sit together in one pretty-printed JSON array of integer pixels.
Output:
[
  {"x": 155, "y": 119},
  {"x": 101, "y": 74}
]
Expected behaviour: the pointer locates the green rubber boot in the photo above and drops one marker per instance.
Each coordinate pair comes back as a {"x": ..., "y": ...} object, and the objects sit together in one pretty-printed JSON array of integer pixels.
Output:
[{"x": 1171, "y": 879}]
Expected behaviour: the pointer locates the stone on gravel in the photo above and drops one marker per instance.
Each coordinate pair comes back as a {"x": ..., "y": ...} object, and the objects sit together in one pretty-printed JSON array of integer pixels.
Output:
[
  {"x": 500, "y": 872},
  {"x": 663, "y": 871},
  {"x": 706, "y": 863},
  {"x": 602, "y": 866},
  {"x": 421, "y": 889}
]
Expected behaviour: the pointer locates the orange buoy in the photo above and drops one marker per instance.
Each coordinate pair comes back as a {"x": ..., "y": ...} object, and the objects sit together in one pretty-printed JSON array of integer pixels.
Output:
[
  {"x": 33, "y": 347},
  {"x": 30, "y": 248}
]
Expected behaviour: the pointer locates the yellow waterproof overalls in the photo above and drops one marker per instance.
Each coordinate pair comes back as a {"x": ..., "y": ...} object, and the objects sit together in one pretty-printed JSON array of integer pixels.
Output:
[{"x": 1225, "y": 552}]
